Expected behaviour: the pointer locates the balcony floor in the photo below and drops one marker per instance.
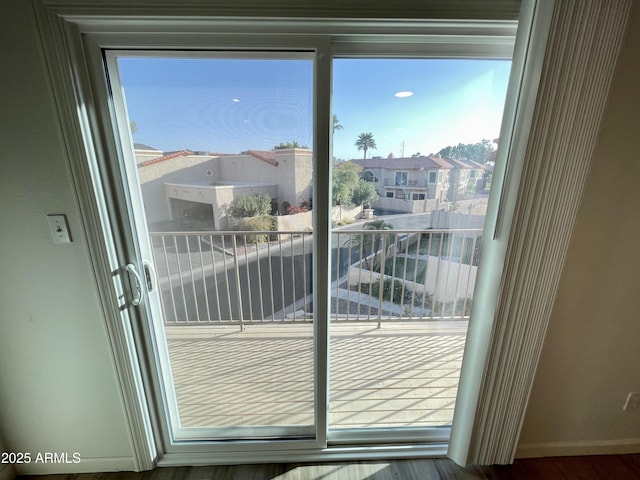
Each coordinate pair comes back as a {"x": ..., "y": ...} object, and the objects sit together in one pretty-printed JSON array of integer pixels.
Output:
[{"x": 403, "y": 374}]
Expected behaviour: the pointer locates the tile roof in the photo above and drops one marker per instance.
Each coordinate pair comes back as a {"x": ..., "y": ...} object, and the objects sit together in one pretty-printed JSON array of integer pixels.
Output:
[
  {"x": 405, "y": 163},
  {"x": 431, "y": 162},
  {"x": 168, "y": 156},
  {"x": 268, "y": 156}
]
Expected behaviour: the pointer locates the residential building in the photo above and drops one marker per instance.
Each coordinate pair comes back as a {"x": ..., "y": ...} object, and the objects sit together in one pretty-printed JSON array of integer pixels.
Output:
[
  {"x": 407, "y": 184},
  {"x": 197, "y": 187}
]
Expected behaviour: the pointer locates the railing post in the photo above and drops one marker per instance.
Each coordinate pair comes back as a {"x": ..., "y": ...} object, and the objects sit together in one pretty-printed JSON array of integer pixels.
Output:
[
  {"x": 383, "y": 261},
  {"x": 238, "y": 290}
]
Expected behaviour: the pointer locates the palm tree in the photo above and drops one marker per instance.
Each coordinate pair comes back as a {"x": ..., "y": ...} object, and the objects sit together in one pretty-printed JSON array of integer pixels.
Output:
[
  {"x": 374, "y": 242},
  {"x": 365, "y": 142},
  {"x": 336, "y": 123}
]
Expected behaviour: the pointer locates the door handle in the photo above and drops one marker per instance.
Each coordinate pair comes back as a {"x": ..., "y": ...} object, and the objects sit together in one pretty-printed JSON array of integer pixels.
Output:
[
  {"x": 137, "y": 293},
  {"x": 149, "y": 275}
]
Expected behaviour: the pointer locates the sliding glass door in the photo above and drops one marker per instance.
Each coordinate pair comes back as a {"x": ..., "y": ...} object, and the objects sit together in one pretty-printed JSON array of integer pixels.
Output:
[
  {"x": 218, "y": 159},
  {"x": 413, "y": 154},
  {"x": 309, "y": 226}
]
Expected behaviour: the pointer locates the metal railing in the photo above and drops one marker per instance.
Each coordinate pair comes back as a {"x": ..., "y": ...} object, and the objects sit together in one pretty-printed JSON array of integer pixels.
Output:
[
  {"x": 409, "y": 183},
  {"x": 250, "y": 277}
]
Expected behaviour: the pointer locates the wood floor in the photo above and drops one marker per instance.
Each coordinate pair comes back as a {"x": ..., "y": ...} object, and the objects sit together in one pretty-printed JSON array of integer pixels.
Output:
[
  {"x": 603, "y": 467},
  {"x": 398, "y": 375}
]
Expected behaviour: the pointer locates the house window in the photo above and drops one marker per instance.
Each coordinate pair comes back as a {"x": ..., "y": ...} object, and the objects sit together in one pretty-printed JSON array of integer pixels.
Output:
[
  {"x": 433, "y": 177},
  {"x": 417, "y": 196},
  {"x": 389, "y": 195},
  {"x": 401, "y": 179},
  {"x": 369, "y": 177}
]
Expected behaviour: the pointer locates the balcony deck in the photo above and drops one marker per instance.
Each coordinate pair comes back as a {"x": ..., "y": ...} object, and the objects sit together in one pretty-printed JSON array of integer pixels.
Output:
[{"x": 402, "y": 374}]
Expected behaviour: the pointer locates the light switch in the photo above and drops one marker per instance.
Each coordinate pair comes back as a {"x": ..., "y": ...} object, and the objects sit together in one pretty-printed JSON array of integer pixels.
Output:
[{"x": 59, "y": 228}]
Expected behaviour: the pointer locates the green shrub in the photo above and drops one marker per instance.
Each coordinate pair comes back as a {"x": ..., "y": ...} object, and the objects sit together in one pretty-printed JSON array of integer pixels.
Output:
[
  {"x": 250, "y": 206},
  {"x": 256, "y": 224}
]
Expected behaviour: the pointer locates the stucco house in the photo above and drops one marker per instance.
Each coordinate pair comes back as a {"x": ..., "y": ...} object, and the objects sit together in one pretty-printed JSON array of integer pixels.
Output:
[
  {"x": 407, "y": 184},
  {"x": 199, "y": 186}
]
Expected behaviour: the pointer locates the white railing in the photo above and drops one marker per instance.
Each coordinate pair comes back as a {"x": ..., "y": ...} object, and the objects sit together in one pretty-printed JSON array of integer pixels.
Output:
[{"x": 248, "y": 277}]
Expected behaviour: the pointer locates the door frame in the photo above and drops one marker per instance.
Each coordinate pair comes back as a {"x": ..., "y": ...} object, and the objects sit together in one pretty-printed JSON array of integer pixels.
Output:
[{"x": 68, "y": 34}]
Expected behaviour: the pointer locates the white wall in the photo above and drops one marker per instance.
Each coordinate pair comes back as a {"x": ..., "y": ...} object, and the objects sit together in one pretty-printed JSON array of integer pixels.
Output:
[
  {"x": 57, "y": 378},
  {"x": 591, "y": 357}
]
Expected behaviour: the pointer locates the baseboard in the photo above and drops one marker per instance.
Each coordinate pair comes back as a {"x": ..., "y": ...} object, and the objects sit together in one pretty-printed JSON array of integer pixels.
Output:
[
  {"x": 86, "y": 465},
  {"x": 567, "y": 449},
  {"x": 7, "y": 472}
]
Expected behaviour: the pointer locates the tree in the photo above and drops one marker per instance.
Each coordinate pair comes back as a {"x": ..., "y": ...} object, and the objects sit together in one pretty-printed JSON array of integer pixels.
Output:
[
  {"x": 345, "y": 180},
  {"x": 478, "y": 152},
  {"x": 284, "y": 146},
  {"x": 374, "y": 242},
  {"x": 336, "y": 123},
  {"x": 250, "y": 206},
  {"x": 364, "y": 193},
  {"x": 365, "y": 142}
]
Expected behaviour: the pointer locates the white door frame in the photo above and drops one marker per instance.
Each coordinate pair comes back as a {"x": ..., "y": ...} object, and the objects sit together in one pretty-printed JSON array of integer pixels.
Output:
[{"x": 541, "y": 216}]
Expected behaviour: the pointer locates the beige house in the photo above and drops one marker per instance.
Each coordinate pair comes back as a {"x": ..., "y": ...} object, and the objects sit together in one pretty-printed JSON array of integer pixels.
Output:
[
  {"x": 199, "y": 187},
  {"x": 408, "y": 184}
]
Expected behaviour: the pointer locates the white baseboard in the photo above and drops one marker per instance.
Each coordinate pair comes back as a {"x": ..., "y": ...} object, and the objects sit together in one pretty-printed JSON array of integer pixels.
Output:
[
  {"x": 566, "y": 449},
  {"x": 86, "y": 465},
  {"x": 7, "y": 472}
]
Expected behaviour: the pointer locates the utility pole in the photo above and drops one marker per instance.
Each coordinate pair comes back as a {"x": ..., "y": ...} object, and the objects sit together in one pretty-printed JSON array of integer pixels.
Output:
[{"x": 402, "y": 149}]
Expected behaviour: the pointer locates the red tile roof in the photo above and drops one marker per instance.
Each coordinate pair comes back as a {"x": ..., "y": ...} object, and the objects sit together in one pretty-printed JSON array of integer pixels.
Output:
[
  {"x": 268, "y": 156},
  {"x": 405, "y": 163},
  {"x": 431, "y": 162},
  {"x": 169, "y": 156}
]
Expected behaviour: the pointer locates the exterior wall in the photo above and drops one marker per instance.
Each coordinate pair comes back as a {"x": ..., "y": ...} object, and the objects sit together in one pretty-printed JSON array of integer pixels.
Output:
[
  {"x": 180, "y": 170},
  {"x": 408, "y": 206},
  {"x": 341, "y": 214},
  {"x": 223, "y": 195},
  {"x": 298, "y": 222},
  {"x": 442, "y": 219},
  {"x": 293, "y": 175},
  {"x": 218, "y": 196},
  {"x": 303, "y": 177},
  {"x": 447, "y": 281}
]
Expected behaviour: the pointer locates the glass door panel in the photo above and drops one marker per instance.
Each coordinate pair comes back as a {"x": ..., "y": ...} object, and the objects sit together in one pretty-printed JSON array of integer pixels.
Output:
[
  {"x": 219, "y": 157},
  {"x": 414, "y": 147}
]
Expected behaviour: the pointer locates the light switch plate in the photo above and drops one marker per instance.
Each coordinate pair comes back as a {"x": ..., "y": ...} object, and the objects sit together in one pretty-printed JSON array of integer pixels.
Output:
[{"x": 59, "y": 228}]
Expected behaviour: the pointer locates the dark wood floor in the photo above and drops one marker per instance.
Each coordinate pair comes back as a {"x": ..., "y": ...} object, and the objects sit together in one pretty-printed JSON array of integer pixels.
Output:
[{"x": 602, "y": 467}]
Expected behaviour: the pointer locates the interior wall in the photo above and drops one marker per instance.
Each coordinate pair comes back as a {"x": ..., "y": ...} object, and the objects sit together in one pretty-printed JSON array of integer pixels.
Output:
[
  {"x": 6, "y": 469},
  {"x": 58, "y": 386},
  {"x": 591, "y": 357}
]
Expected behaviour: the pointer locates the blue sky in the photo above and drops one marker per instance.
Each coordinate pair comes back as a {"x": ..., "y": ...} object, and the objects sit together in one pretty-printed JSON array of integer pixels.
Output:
[{"x": 230, "y": 105}]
